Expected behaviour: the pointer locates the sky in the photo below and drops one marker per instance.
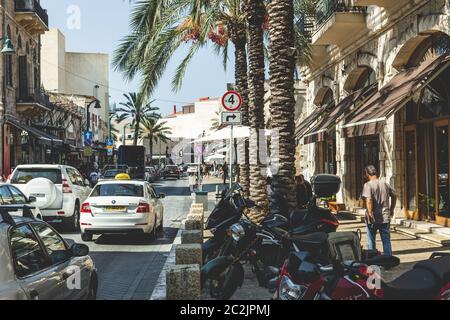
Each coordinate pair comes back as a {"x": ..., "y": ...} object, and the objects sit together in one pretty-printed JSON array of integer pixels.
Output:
[{"x": 97, "y": 26}]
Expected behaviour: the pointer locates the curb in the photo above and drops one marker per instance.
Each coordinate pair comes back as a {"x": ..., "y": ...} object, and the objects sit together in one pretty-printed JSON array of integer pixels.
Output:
[{"x": 159, "y": 292}]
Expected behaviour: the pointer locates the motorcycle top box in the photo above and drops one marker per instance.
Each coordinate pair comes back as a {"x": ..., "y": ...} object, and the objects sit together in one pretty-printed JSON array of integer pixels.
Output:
[{"x": 325, "y": 185}]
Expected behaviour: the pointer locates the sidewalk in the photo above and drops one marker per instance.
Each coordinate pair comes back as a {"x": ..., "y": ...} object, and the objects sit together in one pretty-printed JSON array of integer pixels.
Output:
[{"x": 408, "y": 249}]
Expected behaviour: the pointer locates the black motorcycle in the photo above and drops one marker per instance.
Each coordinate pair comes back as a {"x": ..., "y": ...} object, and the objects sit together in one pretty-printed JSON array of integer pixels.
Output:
[
  {"x": 227, "y": 212},
  {"x": 266, "y": 245}
]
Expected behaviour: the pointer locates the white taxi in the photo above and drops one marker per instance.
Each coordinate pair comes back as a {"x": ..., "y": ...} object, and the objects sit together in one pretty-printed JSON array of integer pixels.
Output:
[{"x": 122, "y": 206}]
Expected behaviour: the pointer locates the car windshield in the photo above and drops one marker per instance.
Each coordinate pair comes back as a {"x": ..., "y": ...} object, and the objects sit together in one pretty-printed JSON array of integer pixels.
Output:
[
  {"x": 118, "y": 190},
  {"x": 172, "y": 168},
  {"x": 24, "y": 175}
]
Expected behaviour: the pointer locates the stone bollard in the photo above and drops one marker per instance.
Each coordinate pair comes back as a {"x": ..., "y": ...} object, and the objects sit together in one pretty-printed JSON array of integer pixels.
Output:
[
  {"x": 193, "y": 224},
  {"x": 197, "y": 206},
  {"x": 196, "y": 211},
  {"x": 183, "y": 282},
  {"x": 188, "y": 254},
  {"x": 191, "y": 236}
]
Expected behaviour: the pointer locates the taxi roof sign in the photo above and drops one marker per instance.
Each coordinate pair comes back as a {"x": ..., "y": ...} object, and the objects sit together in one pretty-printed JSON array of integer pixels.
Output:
[{"x": 123, "y": 176}]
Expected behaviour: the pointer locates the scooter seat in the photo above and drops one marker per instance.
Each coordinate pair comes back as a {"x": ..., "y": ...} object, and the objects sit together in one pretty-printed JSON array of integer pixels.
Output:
[
  {"x": 317, "y": 238},
  {"x": 416, "y": 284},
  {"x": 440, "y": 267}
]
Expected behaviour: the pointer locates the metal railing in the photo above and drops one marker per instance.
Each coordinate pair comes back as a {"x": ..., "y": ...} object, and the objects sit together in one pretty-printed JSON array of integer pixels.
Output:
[
  {"x": 327, "y": 8},
  {"x": 34, "y": 95},
  {"x": 31, "y": 6}
]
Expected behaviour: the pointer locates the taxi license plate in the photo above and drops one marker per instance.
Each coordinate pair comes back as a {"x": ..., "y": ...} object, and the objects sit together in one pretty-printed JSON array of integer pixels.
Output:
[{"x": 116, "y": 209}]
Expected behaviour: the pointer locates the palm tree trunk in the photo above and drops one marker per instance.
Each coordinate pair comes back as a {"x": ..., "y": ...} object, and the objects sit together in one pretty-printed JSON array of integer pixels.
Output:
[
  {"x": 151, "y": 149},
  {"x": 136, "y": 130},
  {"x": 282, "y": 102},
  {"x": 254, "y": 12},
  {"x": 238, "y": 37}
]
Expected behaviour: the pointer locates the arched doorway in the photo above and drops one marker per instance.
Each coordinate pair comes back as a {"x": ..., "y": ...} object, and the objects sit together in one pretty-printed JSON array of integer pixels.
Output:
[
  {"x": 325, "y": 151},
  {"x": 427, "y": 139},
  {"x": 364, "y": 150}
]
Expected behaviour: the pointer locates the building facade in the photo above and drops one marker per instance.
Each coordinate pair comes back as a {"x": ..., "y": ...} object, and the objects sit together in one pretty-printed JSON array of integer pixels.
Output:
[
  {"x": 79, "y": 74},
  {"x": 378, "y": 94},
  {"x": 23, "y": 98}
]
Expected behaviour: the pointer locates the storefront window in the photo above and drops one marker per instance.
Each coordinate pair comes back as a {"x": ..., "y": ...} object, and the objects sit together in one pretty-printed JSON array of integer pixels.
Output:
[
  {"x": 442, "y": 171},
  {"x": 411, "y": 170}
]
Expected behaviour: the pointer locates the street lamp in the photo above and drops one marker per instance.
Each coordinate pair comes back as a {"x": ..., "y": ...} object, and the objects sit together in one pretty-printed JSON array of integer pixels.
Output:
[
  {"x": 7, "y": 50},
  {"x": 88, "y": 116}
]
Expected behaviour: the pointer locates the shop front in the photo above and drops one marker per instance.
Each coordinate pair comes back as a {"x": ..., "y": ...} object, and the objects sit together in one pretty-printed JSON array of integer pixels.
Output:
[{"x": 418, "y": 99}]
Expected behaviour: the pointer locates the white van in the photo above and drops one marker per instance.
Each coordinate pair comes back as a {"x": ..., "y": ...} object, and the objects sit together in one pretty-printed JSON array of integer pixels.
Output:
[{"x": 59, "y": 191}]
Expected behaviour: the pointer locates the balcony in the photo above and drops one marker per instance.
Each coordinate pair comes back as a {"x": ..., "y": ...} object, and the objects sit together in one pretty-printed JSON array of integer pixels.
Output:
[
  {"x": 32, "y": 102},
  {"x": 389, "y": 5},
  {"x": 318, "y": 53},
  {"x": 336, "y": 22},
  {"x": 31, "y": 16}
]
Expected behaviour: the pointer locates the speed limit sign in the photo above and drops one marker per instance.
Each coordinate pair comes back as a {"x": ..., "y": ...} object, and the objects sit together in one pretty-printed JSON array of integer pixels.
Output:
[{"x": 232, "y": 101}]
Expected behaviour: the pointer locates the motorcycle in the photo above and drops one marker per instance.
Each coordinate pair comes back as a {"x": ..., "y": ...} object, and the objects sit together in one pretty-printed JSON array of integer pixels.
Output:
[
  {"x": 303, "y": 278},
  {"x": 264, "y": 245},
  {"x": 227, "y": 212}
]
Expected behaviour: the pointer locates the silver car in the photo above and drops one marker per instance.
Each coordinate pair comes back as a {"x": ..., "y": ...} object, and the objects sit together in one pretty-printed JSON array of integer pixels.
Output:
[{"x": 36, "y": 263}]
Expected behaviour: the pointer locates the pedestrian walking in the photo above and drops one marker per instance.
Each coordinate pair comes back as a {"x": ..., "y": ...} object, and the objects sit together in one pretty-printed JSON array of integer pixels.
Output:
[
  {"x": 380, "y": 200},
  {"x": 303, "y": 191},
  {"x": 192, "y": 182},
  {"x": 225, "y": 172},
  {"x": 93, "y": 178}
]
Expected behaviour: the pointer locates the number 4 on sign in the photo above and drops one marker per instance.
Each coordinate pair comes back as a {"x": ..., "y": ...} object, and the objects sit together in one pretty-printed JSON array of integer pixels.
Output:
[{"x": 232, "y": 101}]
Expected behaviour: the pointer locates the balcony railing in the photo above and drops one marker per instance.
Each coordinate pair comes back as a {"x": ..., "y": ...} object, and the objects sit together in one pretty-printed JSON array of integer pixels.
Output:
[
  {"x": 34, "y": 96},
  {"x": 327, "y": 8},
  {"x": 32, "y": 6}
]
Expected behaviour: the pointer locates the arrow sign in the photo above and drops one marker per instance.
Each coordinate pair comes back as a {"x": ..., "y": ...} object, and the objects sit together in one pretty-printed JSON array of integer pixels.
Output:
[{"x": 231, "y": 118}]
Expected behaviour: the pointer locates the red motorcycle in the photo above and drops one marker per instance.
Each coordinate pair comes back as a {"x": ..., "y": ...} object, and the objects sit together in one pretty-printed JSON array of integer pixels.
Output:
[{"x": 303, "y": 279}]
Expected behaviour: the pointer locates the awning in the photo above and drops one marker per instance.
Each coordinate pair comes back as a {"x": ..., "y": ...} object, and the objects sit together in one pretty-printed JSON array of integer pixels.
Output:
[
  {"x": 307, "y": 122},
  {"x": 44, "y": 137},
  {"x": 320, "y": 130},
  {"x": 370, "y": 118}
]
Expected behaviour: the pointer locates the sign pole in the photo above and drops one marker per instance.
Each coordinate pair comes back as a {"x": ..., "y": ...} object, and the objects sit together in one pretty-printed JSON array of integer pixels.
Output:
[{"x": 231, "y": 155}]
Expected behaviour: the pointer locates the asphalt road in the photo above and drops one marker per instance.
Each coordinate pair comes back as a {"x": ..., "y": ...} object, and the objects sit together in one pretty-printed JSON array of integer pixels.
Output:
[{"x": 128, "y": 267}]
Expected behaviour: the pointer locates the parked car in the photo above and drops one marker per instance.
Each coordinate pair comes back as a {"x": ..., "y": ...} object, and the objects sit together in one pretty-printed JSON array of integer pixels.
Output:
[
  {"x": 59, "y": 191},
  {"x": 122, "y": 206},
  {"x": 36, "y": 263},
  {"x": 171, "y": 171},
  {"x": 12, "y": 196}
]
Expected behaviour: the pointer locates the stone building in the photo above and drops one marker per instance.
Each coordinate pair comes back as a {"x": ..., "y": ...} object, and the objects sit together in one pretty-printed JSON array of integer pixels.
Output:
[
  {"x": 378, "y": 92},
  {"x": 22, "y": 96}
]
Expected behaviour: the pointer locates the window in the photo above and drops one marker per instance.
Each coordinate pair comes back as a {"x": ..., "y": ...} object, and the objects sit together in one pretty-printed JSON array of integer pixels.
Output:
[
  {"x": 151, "y": 192},
  {"x": 28, "y": 255},
  {"x": 118, "y": 190},
  {"x": 5, "y": 196},
  {"x": 54, "y": 244},
  {"x": 24, "y": 175},
  {"x": 17, "y": 196},
  {"x": 74, "y": 177}
]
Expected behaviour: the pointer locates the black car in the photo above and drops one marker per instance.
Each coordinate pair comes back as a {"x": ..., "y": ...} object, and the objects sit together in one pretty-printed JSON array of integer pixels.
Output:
[{"x": 171, "y": 171}]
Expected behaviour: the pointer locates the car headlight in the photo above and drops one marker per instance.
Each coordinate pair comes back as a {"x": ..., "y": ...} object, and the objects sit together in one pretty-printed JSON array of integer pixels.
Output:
[
  {"x": 237, "y": 231},
  {"x": 291, "y": 291}
]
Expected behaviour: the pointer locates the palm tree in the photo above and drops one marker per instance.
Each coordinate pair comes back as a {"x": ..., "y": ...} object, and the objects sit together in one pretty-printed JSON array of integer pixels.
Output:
[
  {"x": 154, "y": 131},
  {"x": 135, "y": 109},
  {"x": 159, "y": 28},
  {"x": 255, "y": 15},
  {"x": 282, "y": 102}
]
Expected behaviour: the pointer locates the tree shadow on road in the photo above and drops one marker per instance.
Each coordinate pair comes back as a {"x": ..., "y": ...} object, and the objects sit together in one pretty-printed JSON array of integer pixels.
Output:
[{"x": 137, "y": 239}]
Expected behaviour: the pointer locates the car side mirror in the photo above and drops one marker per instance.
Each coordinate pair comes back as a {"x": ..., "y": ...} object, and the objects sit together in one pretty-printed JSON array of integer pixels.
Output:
[
  {"x": 79, "y": 250},
  {"x": 162, "y": 196},
  {"x": 86, "y": 182},
  {"x": 32, "y": 199}
]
